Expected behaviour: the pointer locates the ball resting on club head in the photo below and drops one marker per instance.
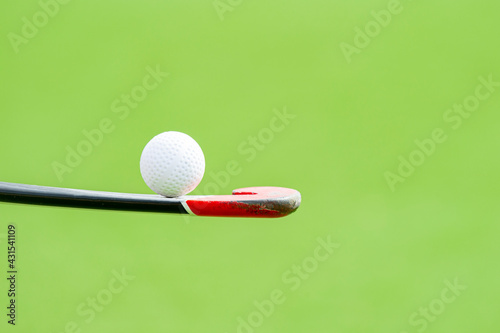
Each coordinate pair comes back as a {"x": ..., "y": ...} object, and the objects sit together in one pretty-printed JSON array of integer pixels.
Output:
[{"x": 172, "y": 164}]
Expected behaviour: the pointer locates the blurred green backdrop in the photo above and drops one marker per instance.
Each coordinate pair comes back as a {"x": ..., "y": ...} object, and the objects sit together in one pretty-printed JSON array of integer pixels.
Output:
[{"x": 361, "y": 82}]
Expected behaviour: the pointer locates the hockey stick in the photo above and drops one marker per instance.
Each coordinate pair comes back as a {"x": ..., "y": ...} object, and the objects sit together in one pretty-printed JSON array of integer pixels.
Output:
[{"x": 245, "y": 202}]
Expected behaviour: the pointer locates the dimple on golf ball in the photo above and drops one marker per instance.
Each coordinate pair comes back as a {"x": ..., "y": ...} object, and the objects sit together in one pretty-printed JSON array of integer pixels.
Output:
[{"x": 172, "y": 164}]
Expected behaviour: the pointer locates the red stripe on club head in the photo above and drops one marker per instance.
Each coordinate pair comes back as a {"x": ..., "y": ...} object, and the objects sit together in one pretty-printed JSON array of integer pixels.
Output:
[{"x": 248, "y": 202}]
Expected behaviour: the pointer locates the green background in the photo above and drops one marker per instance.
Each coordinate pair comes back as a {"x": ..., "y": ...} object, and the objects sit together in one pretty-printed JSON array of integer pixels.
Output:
[{"x": 226, "y": 76}]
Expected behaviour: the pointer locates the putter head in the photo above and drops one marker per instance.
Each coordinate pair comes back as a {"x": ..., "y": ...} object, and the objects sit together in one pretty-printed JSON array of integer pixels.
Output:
[{"x": 246, "y": 202}]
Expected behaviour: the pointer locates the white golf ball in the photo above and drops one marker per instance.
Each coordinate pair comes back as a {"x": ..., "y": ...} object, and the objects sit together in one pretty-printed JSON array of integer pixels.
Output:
[{"x": 172, "y": 164}]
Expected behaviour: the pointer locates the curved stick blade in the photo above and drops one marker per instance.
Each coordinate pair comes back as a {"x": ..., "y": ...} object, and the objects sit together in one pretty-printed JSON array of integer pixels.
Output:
[{"x": 247, "y": 202}]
